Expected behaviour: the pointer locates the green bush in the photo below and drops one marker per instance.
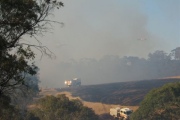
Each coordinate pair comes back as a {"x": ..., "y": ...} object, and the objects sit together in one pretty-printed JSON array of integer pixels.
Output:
[
  {"x": 160, "y": 104},
  {"x": 8, "y": 111},
  {"x": 61, "y": 108}
]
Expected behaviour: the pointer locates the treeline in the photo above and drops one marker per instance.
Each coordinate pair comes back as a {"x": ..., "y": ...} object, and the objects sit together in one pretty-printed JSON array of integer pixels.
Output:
[{"x": 110, "y": 68}]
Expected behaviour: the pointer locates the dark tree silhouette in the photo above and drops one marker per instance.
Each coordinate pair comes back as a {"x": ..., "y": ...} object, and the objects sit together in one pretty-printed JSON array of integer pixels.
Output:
[{"x": 17, "y": 19}]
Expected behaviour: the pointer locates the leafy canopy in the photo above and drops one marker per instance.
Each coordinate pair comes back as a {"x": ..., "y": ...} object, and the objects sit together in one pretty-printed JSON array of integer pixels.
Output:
[
  {"x": 61, "y": 108},
  {"x": 160, "y": 104},
  {"x": 19, "y": 18}
]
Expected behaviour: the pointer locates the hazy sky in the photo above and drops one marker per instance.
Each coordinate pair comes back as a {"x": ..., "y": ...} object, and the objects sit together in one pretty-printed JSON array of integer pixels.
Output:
[{"x": 94, "y": 28}]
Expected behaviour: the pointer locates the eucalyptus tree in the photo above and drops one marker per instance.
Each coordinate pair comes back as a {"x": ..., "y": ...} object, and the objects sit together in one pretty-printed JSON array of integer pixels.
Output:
[
  {"x": 19, "y": 18},
  {"x": 160, "y": 104}
]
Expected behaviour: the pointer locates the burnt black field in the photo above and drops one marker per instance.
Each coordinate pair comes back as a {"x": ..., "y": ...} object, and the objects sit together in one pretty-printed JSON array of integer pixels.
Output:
[{"x": 124, "y": 93}]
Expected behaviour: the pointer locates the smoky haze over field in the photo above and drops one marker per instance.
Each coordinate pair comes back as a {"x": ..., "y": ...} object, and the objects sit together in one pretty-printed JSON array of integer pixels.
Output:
[
  {"x": 114, "y": 69},
  {"x": 98, "y": 34}
]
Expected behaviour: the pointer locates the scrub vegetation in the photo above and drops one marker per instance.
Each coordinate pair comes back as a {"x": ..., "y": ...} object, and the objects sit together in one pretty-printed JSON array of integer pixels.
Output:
[
  {"x": 61, "y": 108},
  {"x": 160, "y": 104}
]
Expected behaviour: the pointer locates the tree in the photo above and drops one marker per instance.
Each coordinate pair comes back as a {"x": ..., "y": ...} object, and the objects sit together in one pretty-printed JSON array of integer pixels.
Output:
[
  {"x": 17, "y": 19},
  {"x": 23, "y": 95},
  {"x": 158, "y": 55},
  {"x": 61, "y": 108},
  {"x": 23, "y": 17},
  {"x": 8, "y": 111},
  {"x": 176, "y": 53},
  {"x": 160, "y": 104},
  {"x": 13, "y": 70}
]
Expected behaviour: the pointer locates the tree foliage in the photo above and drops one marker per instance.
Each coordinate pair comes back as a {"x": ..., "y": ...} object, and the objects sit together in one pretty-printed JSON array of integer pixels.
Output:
[
  {"x": 176, "y": 53},
  {"x": 158, "y": 55},
  {"x": 61, "y": 108},
  {"x": 23, "y": 95},
  {"x": 13, "y": 70},
  {"x": 23, "y": 17},
  {"x": 14, "y": 106},
  {"x": 160, "y": 104},
  {"x": 8, "y": 111},
  {"x": 19, "y": 18}
]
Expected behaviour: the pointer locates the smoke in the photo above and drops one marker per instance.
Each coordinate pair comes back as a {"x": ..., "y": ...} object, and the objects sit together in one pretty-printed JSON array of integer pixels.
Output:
[{"x": 96, "y": 28}]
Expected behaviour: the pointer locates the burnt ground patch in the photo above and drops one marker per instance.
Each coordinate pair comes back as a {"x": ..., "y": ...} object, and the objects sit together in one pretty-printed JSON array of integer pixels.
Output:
[{"x": 124, "y": 93}]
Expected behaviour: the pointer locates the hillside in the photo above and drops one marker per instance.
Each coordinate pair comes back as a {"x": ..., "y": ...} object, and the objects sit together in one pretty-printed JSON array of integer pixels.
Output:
[
  {"x": 123, "y": 93},
  {"x": 105, "y": 96},
  {"x": 100, "y": 109}
]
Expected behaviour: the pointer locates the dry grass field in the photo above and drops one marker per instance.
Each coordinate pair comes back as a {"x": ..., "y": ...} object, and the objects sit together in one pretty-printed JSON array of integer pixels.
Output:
[
  {"x": 105, "y": 96},
  {"x": 174, "y": 77},
  {"x": 99, "y": 108}
]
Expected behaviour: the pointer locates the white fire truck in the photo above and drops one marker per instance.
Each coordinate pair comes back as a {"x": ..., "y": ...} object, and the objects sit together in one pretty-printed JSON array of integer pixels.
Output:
[
  {"x": 73, "y": 82},
  {"x": 121, "y": 113}
]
